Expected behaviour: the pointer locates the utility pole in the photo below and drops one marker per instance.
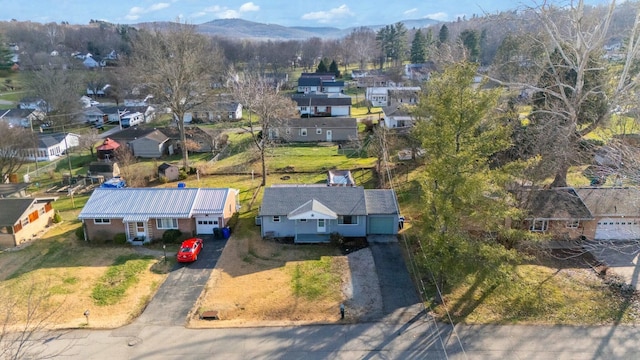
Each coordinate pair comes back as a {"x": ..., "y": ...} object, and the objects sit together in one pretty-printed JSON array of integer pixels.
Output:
[{"x": 66, "y": 145}]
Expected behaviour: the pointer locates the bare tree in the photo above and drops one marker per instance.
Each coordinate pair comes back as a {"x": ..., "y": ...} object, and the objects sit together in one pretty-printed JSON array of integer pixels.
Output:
[
  {"x": 572, "y": 93},
  {"x": 266, "y": 106},
  {"x": 89, "y": 140},
  {"x": 60, "y": 89},
  {"x": 178, "y": 66},
  {"x": 14, "y": 143},
  {"x": 27, "y": 317}
]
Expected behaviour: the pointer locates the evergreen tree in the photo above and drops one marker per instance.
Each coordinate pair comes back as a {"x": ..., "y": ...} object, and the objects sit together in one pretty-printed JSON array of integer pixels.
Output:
[
  {"x": 6, "y": 57},
  {"x": 333, "y": 68},
  {"x": 392, "y": 41},
  {"x": 459, "y": 134},
  {"x": 443, "y": 36},
  {"x": 322, "y": 67},
  {"x": 418, "y": 48},
  {"x": 471, "y": 41}
]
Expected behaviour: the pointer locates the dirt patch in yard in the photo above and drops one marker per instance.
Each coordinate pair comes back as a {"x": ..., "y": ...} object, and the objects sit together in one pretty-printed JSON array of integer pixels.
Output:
[{"x": 255, "y": 284}]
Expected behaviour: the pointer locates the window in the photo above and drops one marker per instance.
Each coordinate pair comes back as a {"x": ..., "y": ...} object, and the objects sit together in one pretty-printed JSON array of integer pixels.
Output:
[
  {"x": 539, "y": 225},
  {"x": 167, "y": 223},
  {"x": 348, "y": 220},
  {"x": 102, "y": 221},
  {"x": 318, "y": 131},
  {"x": 303, "y": 132},
  {"x": 276, "y": 219},
  {"x": 303, "y": 108},
  {"x": 303, "y": 220},
  {"x": 573, "y": 224}
]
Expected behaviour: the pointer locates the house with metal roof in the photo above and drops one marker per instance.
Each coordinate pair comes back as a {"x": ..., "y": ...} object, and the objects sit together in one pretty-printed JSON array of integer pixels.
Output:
[
  {"x": 311, "y": 213},
  {"x": 144, "y": 214},
  {"x": 23, "y": 219}
]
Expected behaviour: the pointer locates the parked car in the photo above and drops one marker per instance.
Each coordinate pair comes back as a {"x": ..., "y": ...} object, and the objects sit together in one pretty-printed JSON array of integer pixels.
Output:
[{"x": 189, "y": 250}]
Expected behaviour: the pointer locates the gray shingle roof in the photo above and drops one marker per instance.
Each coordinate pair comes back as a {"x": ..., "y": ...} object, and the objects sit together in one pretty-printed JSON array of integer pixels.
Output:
[
  {"x": 555, "y": 204},
  {"x": 611, "y": 201},
  {"x": 342, "y": 200},
  {"x": 381, "y": 201},
  {"x": 281, "y": 200},
  {"x": 324, "y": 122},
  {"x": 11, "y": 209},
  {"x": 153, "y": 202}
]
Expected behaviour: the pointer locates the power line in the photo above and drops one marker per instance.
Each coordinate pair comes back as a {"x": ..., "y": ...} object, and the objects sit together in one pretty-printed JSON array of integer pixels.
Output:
[{"x": 385, "y": 157}]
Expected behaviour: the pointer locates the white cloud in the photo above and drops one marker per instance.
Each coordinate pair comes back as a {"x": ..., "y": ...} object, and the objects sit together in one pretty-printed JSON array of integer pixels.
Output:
[
  {"x": 327, "y": 16},
  {"x": 158, "y": 6},
  {"x": 437, "y": 16},
  {"x": 228, "y": 14},
  {"x": 410, "y": 11},
  {"x": 246, "y": 7},
  {"x": 136, "y": 11},
  {"x": 198, "y": 14}
]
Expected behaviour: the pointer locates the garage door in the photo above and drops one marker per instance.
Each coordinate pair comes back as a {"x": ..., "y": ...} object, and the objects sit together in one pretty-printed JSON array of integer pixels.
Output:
[
  {"x": 618, "y": 229},
  {"x": 205, "y": 226},
  {"x": 382, "y": 225}
]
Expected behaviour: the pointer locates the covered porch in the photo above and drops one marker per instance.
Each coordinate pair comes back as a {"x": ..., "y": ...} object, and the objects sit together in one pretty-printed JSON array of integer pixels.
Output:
[{"x": 312, "y": 222}]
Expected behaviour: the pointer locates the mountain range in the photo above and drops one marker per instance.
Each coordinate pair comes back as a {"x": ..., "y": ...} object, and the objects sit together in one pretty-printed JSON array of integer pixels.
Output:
[{"x": 243, "y": 29}]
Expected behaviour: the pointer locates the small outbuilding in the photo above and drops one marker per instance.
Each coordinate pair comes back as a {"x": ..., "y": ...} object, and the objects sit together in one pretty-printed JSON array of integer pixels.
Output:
[{"x": 168, "y": 171}]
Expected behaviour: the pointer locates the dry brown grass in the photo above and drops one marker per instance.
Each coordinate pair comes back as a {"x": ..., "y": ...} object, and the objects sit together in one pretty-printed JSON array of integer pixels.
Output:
[{"x": 252, "y": 285}]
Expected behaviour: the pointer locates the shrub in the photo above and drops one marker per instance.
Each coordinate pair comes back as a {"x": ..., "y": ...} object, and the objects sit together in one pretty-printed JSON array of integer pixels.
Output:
[
  {"x": 171, "y": 236},
  {"x": 233, "y": 221},
  {"x": 182, "y": 175},
  {"x": 163, "y": 179},
  {"x": 80, "y": 233},
  {"x": 120, "y": 239},
  {"x": 336, "y": 239},
  {"x": 57, "y": 218}
]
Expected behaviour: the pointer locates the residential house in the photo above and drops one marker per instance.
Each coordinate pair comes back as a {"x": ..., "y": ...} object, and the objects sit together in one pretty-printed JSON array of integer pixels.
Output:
[
  {"x": 398, "y": 116},
  {"x": 319, "y": 129},
  {"x": 52, "y": 146},
  {"x": 97, "y": 91},
  {"x": 219, "y": 111},
  {"x": 616, "y": 213},
  {"x": 311, "y": 213},
  {"x": 33, "y": 103},
  {"x": 557, "y": 211},
  {"x": 323, "y": 104},
  {"x": 113, "y": 114},
  {"x": 93, "y": 62},
  {"x": 168, "y": 171},
  {"x": 93, "y": 115},
  {"x": 144, "y": 214},
  {"x": 152, "y": 145},
  {"x": 386, "y": 96},
  {"x": 419, "y": 72},
  {"x": 22, "y": 117},
  {"x": 138, "y": 101},
  {"x": 358, "y": 74},
  {"x": 319, "y": 83},
  {"x": 22, "y": 219},
  {"x": 199, "y": 140}
]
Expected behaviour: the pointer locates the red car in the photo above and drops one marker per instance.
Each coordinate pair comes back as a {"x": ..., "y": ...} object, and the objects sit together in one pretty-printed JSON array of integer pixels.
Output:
[{"x": 189, "y": 250}]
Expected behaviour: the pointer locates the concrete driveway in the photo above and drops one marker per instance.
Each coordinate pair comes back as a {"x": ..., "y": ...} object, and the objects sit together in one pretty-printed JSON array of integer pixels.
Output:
[
  {"x": 620, "y": 256},
  {"x": 175, "y": 297}
]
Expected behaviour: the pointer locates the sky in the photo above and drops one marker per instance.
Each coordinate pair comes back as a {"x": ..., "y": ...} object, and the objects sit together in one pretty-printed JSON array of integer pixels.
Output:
[{"x": 334, "y": 13}]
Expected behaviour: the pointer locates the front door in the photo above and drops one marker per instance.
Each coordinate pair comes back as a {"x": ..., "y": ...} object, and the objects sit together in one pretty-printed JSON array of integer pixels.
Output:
[
  {"x": 329, "y": 135},
  {"x": 322, "y": 226},
  {"x": 140, "y": 229}
]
